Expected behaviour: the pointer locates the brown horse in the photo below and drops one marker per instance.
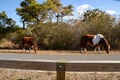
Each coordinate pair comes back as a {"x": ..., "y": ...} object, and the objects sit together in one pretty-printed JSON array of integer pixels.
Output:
[
  {"x": 94, "y": 41},
  {"x": 28, "y": 42}
]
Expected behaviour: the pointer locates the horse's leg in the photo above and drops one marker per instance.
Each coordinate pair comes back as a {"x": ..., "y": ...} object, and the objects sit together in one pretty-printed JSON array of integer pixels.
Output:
[
  {"x": 81, "y": 44},
  {"x": 35, "y": 46},
  {"x": 85, "y": 45},
  {"x": 95, "y": 49},
  {"x": 35, "y": 49},
  {"x": 98, "y": 49},
  {"x": 29, "y": 49},
  {"x": 23, "y": 50},
  {"x": 85, "y": 50},
  {"x": 80, "y": 50}
]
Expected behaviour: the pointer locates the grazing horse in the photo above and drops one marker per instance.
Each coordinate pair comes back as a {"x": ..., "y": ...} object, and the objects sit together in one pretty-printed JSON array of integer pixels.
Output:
[
  {"x": 94, "y": 41},
  {"x": 28, "y": 42}
]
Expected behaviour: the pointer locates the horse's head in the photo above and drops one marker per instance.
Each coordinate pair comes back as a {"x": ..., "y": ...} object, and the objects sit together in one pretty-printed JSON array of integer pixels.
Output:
[
  {"x": 106, "y": 45},
  {"x": 108, "y": 48}
]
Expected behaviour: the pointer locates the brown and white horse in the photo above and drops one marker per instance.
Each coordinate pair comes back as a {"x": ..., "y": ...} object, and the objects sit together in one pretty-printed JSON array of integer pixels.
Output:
[
  {"x": 28, "y": 42},
  {"x": 94, "y": 41}
]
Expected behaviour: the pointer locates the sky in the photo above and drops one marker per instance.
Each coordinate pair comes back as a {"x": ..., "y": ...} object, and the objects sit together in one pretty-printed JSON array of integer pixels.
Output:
[{"x": 112, "y": 7}]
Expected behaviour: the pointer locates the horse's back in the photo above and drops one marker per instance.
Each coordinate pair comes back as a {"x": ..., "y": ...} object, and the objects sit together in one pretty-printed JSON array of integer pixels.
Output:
[{"x": 28, "y": 40}]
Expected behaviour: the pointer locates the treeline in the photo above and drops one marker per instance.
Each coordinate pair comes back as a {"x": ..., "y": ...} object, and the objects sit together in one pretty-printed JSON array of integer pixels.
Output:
[{"x": 58, "y": 34}]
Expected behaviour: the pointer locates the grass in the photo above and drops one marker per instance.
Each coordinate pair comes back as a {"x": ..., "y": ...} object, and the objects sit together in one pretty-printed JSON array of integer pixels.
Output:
[{"x": 17, "y": 74}]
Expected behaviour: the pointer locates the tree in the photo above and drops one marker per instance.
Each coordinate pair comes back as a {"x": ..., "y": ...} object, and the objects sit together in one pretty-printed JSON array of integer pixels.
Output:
[
  {"x": 66, "y": 11},
  {"x": 93, "y": 14},
  {"x": 5, "y": 21},
  {"x": 53, "y": 8},
  {"x": 3, "y": 18},
  {"x": 98, "y": 21},
  {"x": 6, "y": 24},
  {"x": 56, "y": 9},
  {"x": 31, "y": 12}
]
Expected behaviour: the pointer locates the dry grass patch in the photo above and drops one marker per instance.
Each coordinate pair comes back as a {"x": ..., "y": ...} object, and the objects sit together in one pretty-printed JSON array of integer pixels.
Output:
[
  {"x": 93, "y": 76},
  {"x": 17, "y": 74}
]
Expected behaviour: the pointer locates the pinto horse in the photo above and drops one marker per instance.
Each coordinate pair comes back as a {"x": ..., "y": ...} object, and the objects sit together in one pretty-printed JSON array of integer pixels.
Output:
[
  {"x": 95, "y": 41},
  {"x": 28, "y": 42}
]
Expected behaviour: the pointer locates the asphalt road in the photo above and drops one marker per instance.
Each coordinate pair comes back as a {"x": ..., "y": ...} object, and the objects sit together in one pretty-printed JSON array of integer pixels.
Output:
[{"x": 61, "y": 58}]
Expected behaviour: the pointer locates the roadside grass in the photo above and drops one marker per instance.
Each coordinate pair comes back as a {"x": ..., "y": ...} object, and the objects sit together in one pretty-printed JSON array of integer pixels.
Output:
[{"x": 18, "y": 74}]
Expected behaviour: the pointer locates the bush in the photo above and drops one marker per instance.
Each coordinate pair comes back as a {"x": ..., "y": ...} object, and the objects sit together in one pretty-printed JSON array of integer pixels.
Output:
[
  {"x": 55, "y": 36},
  {"x": 4, "y": 43},
  {"x": 16, "y": 37}
]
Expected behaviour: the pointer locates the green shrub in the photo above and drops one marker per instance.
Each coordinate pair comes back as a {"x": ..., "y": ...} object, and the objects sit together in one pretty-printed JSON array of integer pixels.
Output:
[{"x": 56, "y": 36}]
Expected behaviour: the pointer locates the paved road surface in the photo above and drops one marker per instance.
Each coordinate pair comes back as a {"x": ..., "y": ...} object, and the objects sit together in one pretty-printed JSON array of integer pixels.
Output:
[
  {"x": 53, "y": 62},
  {"x": 61, "y": 58}
]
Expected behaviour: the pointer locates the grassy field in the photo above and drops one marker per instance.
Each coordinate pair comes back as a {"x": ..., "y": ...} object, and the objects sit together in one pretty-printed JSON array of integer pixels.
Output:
[{"x": 18, "y": 74}]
